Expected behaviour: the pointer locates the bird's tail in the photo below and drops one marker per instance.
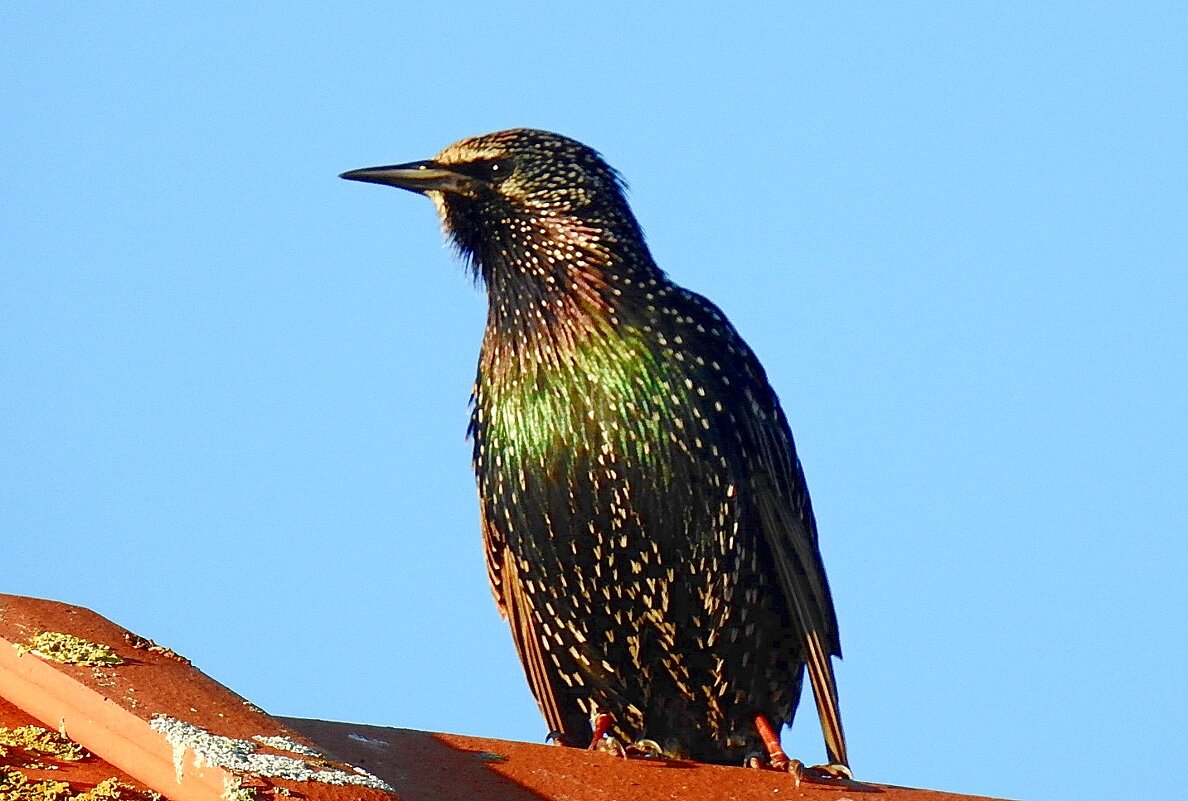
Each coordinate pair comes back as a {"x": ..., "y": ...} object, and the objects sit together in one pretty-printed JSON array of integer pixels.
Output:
[
  {"x": 820, "y": 670},
  {"x": 803, "y": 580}
]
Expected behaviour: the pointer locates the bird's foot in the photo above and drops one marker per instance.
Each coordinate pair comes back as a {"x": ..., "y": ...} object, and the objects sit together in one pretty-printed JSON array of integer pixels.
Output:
[
  {"x": 823, "y": 774},
  {"x": 644, "y": 749},
  {"x": 832, "y": 772},
  {"x": 602, "y": 741},
  {"x": 610, "y": 745},
  {"x": 640, "y": 749},
  {"x": 777, "y": 759},
  {"x": 601, "y": 722}
]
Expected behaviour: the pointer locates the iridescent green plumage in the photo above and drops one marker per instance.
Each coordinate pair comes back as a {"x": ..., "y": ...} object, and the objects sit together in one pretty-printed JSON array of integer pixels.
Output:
[
  {"x": 648, "y": 531},
  {"x": 618, "y": 379}
]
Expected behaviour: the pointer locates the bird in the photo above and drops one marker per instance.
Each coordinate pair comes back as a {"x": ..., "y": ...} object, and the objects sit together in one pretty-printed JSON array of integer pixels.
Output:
[{"x": 647, "y": 527}]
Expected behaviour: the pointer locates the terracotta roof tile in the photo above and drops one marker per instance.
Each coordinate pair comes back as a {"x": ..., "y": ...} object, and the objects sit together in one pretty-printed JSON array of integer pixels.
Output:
[
  {"x": 81, "y": 771},
  {"x": 151, "y": 717},
  {"x": 157, "y": 717}
]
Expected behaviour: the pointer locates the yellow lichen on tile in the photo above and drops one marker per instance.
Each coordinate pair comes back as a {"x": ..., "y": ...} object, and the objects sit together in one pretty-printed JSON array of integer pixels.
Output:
[
  {"x": 70, "y": 650},
  {"x": 115, "y": 790},
  {"x": 16, "y": 786},
  {"x": 235, "y": 790},
  {"x": 36, "y": 740}
]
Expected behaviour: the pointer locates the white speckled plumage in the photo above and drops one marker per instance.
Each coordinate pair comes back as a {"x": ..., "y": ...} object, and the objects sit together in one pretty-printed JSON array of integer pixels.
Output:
[{"x": 648, "y": 531}]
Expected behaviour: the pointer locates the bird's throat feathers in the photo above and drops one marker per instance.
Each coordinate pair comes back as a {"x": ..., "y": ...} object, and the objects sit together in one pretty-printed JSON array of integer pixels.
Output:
[
  {"x": 551, "y": 280},
  {"x": 564, "y": 353}
]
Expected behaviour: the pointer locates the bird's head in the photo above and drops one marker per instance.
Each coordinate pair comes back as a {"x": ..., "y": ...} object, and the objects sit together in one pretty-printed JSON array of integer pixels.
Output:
[{"x": 519, "y": 197}]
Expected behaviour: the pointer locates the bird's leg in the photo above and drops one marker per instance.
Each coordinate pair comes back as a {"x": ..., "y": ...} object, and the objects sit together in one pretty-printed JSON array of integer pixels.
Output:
[
  {"x": 777, "y": 759},
  {"x": 601, "y": 723}
]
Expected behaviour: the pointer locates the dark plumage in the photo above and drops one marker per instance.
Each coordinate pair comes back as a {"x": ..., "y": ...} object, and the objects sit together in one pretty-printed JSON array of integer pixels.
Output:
[{"x": 648, "y": 531}]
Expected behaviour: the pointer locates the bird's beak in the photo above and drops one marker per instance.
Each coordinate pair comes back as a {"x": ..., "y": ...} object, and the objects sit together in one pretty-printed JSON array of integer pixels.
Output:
[{"x": 416, "y": 176}]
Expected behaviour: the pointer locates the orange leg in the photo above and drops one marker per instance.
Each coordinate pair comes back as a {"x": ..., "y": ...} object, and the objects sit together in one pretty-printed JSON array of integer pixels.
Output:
[
  {"x": 775, "y": 752},
  {"x": 778, "y": 760},
  {"x": 602, "y": 723}
]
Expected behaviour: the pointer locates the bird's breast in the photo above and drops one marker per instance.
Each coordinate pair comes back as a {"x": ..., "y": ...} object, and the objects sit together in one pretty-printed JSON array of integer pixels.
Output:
[{"x": 537, "y": 397}]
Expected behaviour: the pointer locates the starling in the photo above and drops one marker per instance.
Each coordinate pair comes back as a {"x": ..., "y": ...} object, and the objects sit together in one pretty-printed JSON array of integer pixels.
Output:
[{"x": 648, "y": 532}]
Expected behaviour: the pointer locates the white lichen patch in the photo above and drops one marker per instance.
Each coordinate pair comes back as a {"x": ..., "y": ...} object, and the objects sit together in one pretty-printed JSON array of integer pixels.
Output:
[
  {"x": 243, "y": 757},
  {"x": 287, "y": 744},
  {"x": 372, "y": 741}
]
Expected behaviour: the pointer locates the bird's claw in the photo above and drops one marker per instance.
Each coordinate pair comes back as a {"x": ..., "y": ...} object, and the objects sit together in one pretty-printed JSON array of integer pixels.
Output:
[
  {"x": 644, "y": 749},
  {"x": 831, "y": 772},
  {"x": 640, "y": 749},
  {"x": 601, "y": 723},
  {"x": 610, "y": 745},
  {"x": 798, "y": 770}
]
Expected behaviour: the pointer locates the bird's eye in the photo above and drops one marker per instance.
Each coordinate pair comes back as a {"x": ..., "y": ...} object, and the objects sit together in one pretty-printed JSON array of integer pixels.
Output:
[{"x": 489, "y": 170}]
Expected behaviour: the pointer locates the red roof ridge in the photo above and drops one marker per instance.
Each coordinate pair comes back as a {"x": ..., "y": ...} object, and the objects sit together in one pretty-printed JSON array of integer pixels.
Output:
[{"x": 157, "y": 718}]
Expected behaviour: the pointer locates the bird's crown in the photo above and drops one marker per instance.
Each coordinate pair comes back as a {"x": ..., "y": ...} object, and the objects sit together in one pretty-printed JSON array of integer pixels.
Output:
[{"x": 537, "y": 170}]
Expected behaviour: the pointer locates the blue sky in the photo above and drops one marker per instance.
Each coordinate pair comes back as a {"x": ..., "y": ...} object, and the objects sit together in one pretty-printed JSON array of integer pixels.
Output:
[{"x": 235, "y": 387}]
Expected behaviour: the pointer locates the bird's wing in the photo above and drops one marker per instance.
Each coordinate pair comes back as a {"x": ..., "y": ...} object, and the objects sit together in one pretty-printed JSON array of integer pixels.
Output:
[
  {"x": 786, "y": 517},
  {"x": 494, "y": 547},
  {"x": 514, "y": 606}
]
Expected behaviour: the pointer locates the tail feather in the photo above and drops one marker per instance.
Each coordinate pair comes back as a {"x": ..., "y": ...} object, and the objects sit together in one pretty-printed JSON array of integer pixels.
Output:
[
  {"x": 801, "y": 577},
  {"x": 820, "y": 670}
]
